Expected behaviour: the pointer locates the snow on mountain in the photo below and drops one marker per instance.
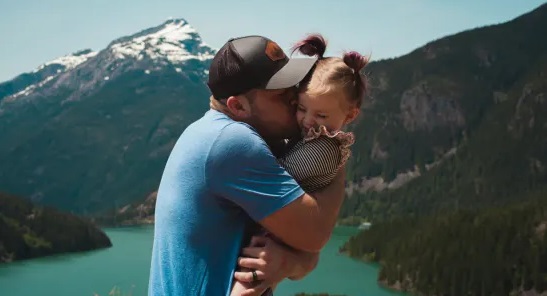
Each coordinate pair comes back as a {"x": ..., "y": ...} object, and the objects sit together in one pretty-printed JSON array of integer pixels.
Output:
[
  {"x": 174, "y": 43},
  {"x": 50, "y": 70},
  {"x": 26, "y": 83},
  {"x": 28, "y": 90},
  {"x": 70, "y": 61}
]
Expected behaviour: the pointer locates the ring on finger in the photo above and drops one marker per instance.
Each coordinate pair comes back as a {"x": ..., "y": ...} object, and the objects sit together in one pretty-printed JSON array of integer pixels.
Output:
[{"x": 255, "y": 276}]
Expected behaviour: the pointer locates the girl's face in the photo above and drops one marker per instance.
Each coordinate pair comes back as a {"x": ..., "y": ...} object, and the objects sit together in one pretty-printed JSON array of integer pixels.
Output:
[{"x": 331, "y": 110}]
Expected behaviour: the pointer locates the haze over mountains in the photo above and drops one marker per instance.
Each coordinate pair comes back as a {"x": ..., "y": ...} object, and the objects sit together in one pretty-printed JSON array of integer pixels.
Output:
[{"x": 92, "y": 131}]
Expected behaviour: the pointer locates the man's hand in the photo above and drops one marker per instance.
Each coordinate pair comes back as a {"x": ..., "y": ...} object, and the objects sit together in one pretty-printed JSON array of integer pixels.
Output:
[
  {"x": 272, "y": 262},
  {"x": 306, "y": 223}
]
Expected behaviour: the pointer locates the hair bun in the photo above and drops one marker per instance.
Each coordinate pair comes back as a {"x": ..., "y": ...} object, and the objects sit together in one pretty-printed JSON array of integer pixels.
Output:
[
  {"x": 313, "y": 45},
  {"x": 355, "y": 61}
]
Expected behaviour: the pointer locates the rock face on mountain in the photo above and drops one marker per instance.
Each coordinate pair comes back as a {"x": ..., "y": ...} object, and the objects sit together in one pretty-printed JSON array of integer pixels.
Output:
[
  {"x": 93, "y": 130},
  {"x": 455, "y": 124},
  {"x": 137, "y": 213},
  {"x": 430, "y": 100}
]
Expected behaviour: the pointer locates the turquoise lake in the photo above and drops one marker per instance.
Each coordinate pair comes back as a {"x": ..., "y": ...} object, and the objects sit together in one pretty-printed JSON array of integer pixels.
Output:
[{"x": 126, "y": 265}]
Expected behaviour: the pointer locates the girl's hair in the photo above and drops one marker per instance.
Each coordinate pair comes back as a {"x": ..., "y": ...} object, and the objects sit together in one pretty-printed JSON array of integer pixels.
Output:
[{"x": 333, "y": 74}]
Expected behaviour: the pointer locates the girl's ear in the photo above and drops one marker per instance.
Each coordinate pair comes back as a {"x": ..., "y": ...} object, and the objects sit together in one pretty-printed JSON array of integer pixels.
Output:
[{"x": 352, "y": 115}]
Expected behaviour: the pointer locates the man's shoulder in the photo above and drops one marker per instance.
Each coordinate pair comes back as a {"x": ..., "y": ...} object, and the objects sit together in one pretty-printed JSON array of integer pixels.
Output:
[
  {"x": 218, "y": 125},
  {"x": 222, "y": 121},
  {"x": 238, "y": 135}
]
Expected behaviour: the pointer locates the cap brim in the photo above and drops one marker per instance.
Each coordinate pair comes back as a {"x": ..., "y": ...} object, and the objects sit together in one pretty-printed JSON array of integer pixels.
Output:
[{"x": 291, "y": 74}]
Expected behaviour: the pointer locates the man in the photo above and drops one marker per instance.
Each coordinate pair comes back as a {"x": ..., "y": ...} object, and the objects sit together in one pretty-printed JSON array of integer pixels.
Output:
[{"x": 222, "y": 176}]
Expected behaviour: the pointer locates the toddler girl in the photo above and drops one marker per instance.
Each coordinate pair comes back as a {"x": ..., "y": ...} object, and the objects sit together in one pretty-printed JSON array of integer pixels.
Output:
[{"x": 329, "y": 98}]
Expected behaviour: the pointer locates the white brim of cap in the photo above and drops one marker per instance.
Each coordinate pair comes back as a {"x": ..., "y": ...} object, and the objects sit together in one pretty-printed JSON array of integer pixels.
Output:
[{"x": 291, "y": 74}]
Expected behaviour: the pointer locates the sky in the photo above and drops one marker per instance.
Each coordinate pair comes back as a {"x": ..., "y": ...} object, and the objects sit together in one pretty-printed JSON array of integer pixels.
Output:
[{"x": 36, "y": 31}]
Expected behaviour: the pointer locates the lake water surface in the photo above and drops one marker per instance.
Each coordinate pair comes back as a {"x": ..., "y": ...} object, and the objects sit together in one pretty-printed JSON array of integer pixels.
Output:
[{"x": 126, "y": 265}]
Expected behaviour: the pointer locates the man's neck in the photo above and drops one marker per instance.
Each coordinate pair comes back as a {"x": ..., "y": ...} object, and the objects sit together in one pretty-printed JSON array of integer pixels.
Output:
[{"x": 218, "y": 106}]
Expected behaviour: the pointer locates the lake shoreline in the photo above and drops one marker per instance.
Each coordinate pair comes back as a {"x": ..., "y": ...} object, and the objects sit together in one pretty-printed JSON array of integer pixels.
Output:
[
  {"x": 144, "y": 223},
  {"x": 126, "y": 265},
  {"x": 395, "y": 287},
  {"x": 32, "y": 231}
]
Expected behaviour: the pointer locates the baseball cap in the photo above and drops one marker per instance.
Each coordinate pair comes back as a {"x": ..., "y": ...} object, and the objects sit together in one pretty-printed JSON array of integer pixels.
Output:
[{"x": 254, "y": 62}]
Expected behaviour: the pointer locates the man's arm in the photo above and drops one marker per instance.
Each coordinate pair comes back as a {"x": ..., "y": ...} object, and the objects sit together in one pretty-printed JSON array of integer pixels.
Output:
[
  {"x": 307, "y": 222},
  {"x": 241, "y": 168},
  {"x": 302, "y": 264},
  {"x": 273, "y": 262}
]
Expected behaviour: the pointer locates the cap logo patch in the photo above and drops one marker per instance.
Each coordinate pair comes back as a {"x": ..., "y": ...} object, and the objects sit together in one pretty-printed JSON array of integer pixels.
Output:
[{"x": 274, "y": 52}]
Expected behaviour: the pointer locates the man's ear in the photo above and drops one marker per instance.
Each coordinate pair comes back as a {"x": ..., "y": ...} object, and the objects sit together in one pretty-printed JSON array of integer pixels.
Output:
[
  {"x": 239, "y": 106},
  {"x": 352, "y": 115}
]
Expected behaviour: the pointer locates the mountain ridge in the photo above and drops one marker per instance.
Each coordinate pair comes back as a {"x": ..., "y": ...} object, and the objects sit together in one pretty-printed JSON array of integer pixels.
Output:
[
  {"x": 427, "y": 105},
  {"x": 410, "y": 91},
  {"x": 177, "y": 34},
  {"x": 24, "y": 83},
  {"x": 104, "y": 110}
]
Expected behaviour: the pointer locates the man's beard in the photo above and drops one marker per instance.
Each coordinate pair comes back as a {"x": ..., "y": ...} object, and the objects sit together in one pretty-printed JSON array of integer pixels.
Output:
[{"x": 272, "y": 132}]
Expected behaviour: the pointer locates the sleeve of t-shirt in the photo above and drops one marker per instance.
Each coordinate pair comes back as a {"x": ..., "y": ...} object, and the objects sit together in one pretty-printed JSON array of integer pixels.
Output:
[
  {"x": 241, "y": 168},
  {"x": 317, "y": 158}
]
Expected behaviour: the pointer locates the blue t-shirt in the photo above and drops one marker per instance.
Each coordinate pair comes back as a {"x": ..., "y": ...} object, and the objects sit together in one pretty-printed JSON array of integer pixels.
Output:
[{"x": 219, "y": 177}]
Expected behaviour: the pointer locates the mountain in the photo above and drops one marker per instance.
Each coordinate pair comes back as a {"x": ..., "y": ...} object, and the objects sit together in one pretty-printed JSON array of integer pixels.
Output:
[
  {"x": 454, "y": 150},
  {"x": 458, "y": 123},
  {"x": 493, "y": 251},
  {"x": 25, "y": 83},
  {"x": 30, "y": 231},
  {"x": 93, "y": 130},
  {"x": 136, "y": 213},
  {"x": 449, "y": 126}
]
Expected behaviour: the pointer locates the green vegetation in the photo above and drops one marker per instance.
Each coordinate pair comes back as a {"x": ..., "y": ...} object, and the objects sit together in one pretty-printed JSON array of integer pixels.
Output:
[
  {"x": 137, "y": 213},
  {"x": 429, "y": 101},
  {"x": 352, "y": 221},
  {"x": 493, "y": 251},
  {"x": 473, "y": 224},
  {"x": 29, "y": 231},
  {"x": 103, "y": 151},
  {"x": 500, "y": 158}
]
